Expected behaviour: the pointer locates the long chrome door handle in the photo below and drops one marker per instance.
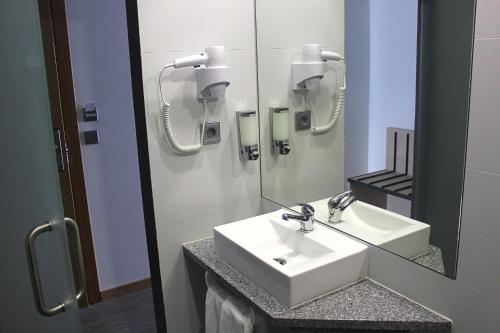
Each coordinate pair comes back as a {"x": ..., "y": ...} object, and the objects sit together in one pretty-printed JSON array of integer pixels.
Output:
[
  {"x": 81, "y": 268},
  {"x": 35, "y": 274}
]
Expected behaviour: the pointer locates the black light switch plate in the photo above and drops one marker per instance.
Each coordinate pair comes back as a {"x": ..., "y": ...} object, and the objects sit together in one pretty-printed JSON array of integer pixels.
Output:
[{"x": 91, "y": 137}]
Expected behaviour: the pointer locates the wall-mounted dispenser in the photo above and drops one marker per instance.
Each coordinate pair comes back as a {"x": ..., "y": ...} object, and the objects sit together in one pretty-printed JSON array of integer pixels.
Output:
[
  {"x": 247, "y": 134},
  {"x": 306, "y": 75},
  {"x": 280, "y": 132},
  {"x": 212, "y": 78}
]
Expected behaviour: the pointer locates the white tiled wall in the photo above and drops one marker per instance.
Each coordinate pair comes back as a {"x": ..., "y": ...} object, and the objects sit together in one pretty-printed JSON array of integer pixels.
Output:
[
  {"x": 479, "y": 266},
  {"x": 473, "y": 300},
  {"x": 194, "y": 193},
  {"x": 314, "y": 168},
  {"x": 483, "y": 153}
]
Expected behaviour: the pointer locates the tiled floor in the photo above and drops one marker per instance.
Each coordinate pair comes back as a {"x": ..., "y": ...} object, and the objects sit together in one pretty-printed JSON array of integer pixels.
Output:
[{"x": 131, "y": 313}]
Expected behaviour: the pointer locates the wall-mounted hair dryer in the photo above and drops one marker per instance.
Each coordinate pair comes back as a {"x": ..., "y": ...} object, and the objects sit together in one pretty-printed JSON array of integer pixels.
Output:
[
  {"x": 212, "y": 78},
  {"x": 307, "y": 73},
  {"x": 192, "y": 60}
]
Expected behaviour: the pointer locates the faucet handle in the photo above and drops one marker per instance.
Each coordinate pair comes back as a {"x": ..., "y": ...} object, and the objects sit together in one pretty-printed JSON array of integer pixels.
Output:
[
  {"x": 336, "y": 200},
  {"x": 306, "y": 209}
]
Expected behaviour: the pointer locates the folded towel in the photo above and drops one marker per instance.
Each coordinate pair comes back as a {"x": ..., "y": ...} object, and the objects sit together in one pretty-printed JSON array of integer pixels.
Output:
[
  {"x": 236, "y": 317},
  {"x": 213, "y": 304},
  {"x": 227, "y": 314}
]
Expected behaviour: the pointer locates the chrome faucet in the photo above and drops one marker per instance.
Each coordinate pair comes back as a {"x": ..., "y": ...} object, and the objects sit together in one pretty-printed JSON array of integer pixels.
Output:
[
  {"x": 337, "y": 204},
  {"x": 306, "y": 218}
]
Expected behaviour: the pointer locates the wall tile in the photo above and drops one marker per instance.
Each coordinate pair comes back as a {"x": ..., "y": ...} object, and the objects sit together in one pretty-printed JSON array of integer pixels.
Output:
[
  {"x": 189, "y": 25},
  {"x": 235, "y": 194},
  {"x": 473, "y": 300},
  {"x": 470, "y": 310},
  {"x": 194, "y": 193},
  {"x": 172, "y": 233},
  {"x": 179, "y": 88},
  {"x": 296, "y": 22},
  {"x": 181, "y": 312},
  {"x": 314, "y": 168},
  {"x": 216, "y": 175},
  {"x": 474, "y": 311},
  {"x": 488, "y": 12},
  {"x": 178, "y": 293},
  {"x": 482, "y": 150},
  {"x": 479, "y": 266},
  {"x": 199, "y": 182},
  {"x": 416, "y": 282}
]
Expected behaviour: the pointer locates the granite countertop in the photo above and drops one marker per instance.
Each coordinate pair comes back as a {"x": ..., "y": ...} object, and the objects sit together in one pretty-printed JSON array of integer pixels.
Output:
[
  {"x": 433, "y": 259},
  {"x": 365, "y": 305}
]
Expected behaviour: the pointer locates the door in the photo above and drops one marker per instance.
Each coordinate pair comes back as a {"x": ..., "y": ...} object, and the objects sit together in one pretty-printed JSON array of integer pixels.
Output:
[
  {"x": 29, "y": 189},
  {"x": 66, "y": 135}
]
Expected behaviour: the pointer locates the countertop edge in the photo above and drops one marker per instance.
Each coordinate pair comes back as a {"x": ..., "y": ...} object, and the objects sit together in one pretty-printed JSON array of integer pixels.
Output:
[{"x": 302, "y": 323}]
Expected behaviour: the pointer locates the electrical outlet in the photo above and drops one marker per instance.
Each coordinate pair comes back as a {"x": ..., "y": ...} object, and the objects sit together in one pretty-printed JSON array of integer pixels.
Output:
[
  {"x": 212, "y": 133},
  {"x": 302, "y": 120}
]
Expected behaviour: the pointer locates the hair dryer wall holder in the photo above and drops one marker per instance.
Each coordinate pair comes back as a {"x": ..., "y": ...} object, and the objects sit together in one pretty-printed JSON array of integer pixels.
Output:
[
  {"x": 211, "y": 82},
  {"x": 304, "y": 71}
]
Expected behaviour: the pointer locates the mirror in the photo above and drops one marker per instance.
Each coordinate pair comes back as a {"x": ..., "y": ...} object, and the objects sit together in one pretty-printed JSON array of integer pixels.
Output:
[{"x": 337, "y": 84}]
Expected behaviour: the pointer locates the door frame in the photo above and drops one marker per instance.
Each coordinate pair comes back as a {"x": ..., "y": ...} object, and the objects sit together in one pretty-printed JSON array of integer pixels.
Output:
[
  {"x": 144, "y": 167},
  {"x": 64, "y": 115},
  {"x": 56, "y": 45}
]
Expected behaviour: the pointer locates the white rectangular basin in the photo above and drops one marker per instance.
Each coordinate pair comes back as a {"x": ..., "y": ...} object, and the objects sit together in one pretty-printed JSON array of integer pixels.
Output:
[
  {"x": 399, "y": 234},
  {"x": 292, "y": 266}
]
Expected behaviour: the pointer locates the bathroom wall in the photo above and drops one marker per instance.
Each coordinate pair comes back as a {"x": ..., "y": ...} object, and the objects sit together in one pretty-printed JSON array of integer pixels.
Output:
[
  {"x": 101, "y": 74},
  {"x": 393, "y": 64},
  {"x": 314, "y": 168},
  {"x": 357, "y": 102},
  {"x": 381, "y": 49},
  {"x": 472, "y": 301},
  {"x": 194, "y": 193}
]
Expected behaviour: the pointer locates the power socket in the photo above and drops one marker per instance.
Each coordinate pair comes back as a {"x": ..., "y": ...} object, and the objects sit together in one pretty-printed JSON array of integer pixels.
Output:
[
  {"x": 302, "y": 120},
  {"x": 212, "y": 133}
]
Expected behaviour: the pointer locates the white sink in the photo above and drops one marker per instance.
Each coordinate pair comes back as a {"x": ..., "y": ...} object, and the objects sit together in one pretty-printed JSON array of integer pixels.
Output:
[
  {"x": 399, "y": 234},
  {"x": 317, "y": 262}
]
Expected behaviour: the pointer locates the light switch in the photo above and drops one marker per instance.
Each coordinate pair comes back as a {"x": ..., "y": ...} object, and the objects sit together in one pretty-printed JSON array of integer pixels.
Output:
[
  {"x": 89, "y": 112},
  {"x": 91, "y": 137}
]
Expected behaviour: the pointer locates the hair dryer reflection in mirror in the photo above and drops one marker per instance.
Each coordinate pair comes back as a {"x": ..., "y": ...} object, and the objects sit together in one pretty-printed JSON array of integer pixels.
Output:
[{"x": 307, "y": 74}]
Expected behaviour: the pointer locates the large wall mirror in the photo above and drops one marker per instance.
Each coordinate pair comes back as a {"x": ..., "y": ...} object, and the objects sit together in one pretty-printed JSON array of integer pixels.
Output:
[{"x": 341, "y": 107}]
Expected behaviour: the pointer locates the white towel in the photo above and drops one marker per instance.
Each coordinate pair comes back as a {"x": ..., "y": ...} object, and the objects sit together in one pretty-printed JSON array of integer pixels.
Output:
[
  {"x": 213, "y": 304},
  {"x": 236, "y": 317}
]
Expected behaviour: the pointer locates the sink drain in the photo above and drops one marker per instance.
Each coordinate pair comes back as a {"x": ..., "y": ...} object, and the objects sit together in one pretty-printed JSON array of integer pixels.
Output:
[{"x": 280, "y": 261}]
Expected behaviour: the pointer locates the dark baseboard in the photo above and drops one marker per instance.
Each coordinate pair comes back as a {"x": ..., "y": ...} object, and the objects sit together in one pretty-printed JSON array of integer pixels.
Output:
[{"x": 126, "y": 289}]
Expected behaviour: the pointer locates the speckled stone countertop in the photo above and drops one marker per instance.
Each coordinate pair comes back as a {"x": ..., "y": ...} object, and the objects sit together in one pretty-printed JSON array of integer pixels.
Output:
[
  {"x": 364, "y": 305},
  {"x": 432, "y": 259}
]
